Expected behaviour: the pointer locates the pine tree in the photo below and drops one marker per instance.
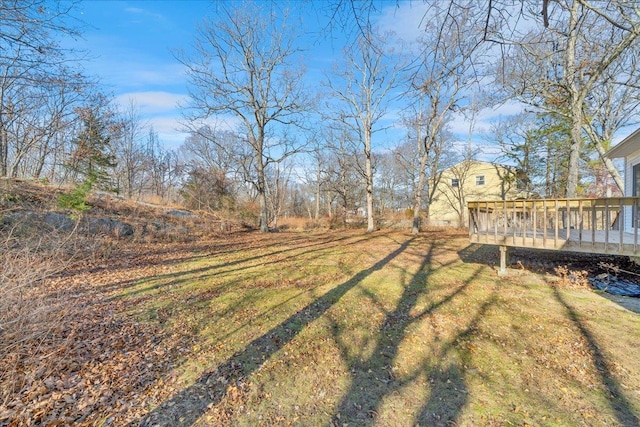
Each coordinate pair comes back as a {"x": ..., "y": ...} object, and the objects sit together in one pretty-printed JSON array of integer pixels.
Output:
[{"x": 91, "y": 158}]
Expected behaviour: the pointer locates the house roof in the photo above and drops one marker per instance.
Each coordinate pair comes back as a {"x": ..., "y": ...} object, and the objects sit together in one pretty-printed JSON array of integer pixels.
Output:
[{"x": 626, "y": 147}]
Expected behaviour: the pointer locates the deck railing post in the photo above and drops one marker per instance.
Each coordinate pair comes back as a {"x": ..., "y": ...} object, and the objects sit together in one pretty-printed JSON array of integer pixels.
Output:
[
  {"x": 544, "y": 223},
  {"x": 607, "y": 224},
  {"x": 488, "y": 221},
  {"x": 620, "y": 221},
  {"x": 506, "y": 217},
  {"x": 495, "y": 219},
  {"x": 579, "y": 221},
  {"x": 594, "y": 225},
  {"x": 556, "y": 223},
  {"x": 524, "y": 222},
  {"x": 568, "y": 222},
  {"x": 514, "y": 221},
  {"x": 534, "y": 221},
  {"x": 504, "y": 254}
]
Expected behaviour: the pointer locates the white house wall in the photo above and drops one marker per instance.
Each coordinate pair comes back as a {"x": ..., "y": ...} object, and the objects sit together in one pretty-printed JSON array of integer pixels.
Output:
[{"x": 631, "y": 160}]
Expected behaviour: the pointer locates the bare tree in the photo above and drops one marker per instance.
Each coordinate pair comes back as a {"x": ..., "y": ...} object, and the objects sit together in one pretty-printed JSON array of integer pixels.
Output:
[
  {"x": 33, "y": 67},
  {"x": 129, "y": 145},
  {"x": 220, "y": 154},
  {"x": 423, "y": 169},
  {"x": 341, "y": 173},
  {"x": 315, "y": 177},
  {"x": 213, "y": 149},
  {"x": 614, "y": 103},
  {"x": 563, "y": 60},
  {"x": 361, "y": 88},
  {"x": 164, "y": 167},
  {"x": 521, "y": 146},
  {"x": 447, "y": 69},
  {"x": 242, "y": 66},
  {"x": 390, "y": 184},
  {"x": 278, "y": 186}
]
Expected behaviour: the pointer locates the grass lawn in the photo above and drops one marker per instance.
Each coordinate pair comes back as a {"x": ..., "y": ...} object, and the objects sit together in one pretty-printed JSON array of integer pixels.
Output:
[
  {"x": 387, "y": 329},
  {"x": 345, "y": 328}
]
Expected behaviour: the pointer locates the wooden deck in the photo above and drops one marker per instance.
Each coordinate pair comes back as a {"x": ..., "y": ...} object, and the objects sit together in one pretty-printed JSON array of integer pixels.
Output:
[{"x": 604, "y": 226}]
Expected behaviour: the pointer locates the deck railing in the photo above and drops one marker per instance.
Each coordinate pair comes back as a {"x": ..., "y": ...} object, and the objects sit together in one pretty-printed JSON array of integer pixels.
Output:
[{"x": 607, "y": 225}]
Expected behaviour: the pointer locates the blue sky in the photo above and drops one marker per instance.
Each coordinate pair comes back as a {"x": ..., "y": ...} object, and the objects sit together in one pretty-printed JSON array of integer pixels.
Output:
[{"x": 132, "y": 45}]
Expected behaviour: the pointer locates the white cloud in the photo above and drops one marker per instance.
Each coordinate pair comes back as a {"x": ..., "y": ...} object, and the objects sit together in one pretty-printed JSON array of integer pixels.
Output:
[
  {"x": 133, "y": 10},
  {"x": 131, "y": 74},
  {"x": 485, "y": 118},
  {"x": 144, "y": 12},
  {"x": 159, "y": 110},
  {"x": 405, "y": 19},
  {"x": 152, "y": 102},
  {"x": 169, "y": 130},
  {"x": 166, "y": 125},
  {"x": 509, "y": 108},
  {"x": 484, "y": 149}
]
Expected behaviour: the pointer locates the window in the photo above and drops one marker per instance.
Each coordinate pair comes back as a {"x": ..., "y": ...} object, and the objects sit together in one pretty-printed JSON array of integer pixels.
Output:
[
  {"x": 479, "y": 179},
  {"x": 455, "y": 182}
]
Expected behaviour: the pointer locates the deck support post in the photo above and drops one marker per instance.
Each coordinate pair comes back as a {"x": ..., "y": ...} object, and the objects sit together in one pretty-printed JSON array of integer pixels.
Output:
[{"x": 504, "y": 256}]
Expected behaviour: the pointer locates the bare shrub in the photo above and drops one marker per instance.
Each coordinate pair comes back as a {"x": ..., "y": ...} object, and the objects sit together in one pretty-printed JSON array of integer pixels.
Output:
[{"x": 30, "y": 252}]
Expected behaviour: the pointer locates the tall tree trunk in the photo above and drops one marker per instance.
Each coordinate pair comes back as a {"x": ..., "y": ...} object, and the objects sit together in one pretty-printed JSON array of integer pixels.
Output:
[
  {"x": 575, "y": 107},
  {"x": 576, "y": 149},
  {"x": 264, "y": 207},
  {"x": 317, "y": 207},
  {"x": 262, "y": 195},
  {"x": 345, "y": 199},
  {"x": 417, "y": 200},
  {"x": 369, "y": 182},
  {"x": 4, "y": 151}
]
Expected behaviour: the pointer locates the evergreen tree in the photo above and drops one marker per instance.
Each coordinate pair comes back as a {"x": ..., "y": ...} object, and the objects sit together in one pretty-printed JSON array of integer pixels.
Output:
[{"x": 91, "y": 158}]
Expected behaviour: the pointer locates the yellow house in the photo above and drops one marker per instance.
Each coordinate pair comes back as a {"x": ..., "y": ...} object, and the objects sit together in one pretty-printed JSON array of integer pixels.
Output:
[{"x": 468, "y": 181}]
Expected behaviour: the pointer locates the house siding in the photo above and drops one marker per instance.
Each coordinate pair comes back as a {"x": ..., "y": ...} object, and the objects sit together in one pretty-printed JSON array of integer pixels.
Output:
[
  {"x": 629, "y": 163},
  {"x": 442, "y": 210}
]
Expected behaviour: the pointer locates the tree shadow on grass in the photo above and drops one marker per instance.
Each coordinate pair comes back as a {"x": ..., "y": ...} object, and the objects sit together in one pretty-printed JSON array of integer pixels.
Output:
[
  {"x": 175, "y": 279},
  {"x": 449, "y": 393},
  {"x": 373, "y": 379},
  {"x": 184, "y": 408},
  {"x": 620, "y": 406}
]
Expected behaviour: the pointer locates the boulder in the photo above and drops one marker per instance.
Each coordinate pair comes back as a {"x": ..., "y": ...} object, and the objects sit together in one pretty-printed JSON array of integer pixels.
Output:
[
  {"x": 59, "y": 221},
  {"x": 178, "y": 212},
  {"x": 107, "y": 226}
]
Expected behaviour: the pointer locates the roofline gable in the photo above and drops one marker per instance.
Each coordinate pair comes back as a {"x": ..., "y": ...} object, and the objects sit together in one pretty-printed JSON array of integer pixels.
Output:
[{"x": 626, "y": 147}]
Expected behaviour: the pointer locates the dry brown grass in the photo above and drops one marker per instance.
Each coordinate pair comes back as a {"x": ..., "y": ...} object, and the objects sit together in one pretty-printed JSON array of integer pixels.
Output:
[
  {"x": 388, "y": 329},
  {"x": 321, "y": 328},
  {"x": 302, "y": 224},
  {"x": 28, "y": 257},
  {"x": 35, "y": 307},
  {"x": 331, "y": 328}
]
